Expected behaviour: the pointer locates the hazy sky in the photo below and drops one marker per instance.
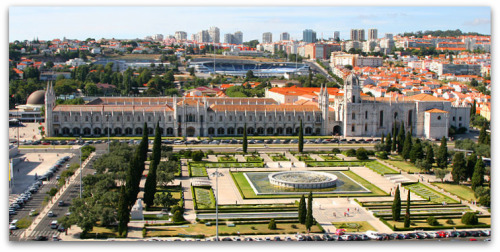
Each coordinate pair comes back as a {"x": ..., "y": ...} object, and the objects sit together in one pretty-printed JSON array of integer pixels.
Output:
[{"x": 75, "y": 22}]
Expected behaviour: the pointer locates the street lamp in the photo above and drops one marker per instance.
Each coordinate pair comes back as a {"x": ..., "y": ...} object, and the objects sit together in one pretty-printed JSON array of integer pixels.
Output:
[
  {"x": 216, "y": 174},
  {"x": 81, "y": 171}
]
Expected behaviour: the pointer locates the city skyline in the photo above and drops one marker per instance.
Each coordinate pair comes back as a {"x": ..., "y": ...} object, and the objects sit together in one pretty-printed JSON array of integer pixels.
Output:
[{"x": 26, "y": 23}]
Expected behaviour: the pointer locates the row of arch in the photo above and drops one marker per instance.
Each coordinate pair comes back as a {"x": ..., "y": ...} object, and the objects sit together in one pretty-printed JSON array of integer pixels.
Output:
[{"x": 190, "y": 131}]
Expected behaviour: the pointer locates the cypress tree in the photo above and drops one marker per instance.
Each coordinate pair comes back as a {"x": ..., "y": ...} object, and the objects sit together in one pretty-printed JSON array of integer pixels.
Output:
[
  {"x": 473, "y": 110},
  {"x": 407, "y": 214},
  {"x": 301, "y": 138},
  {"x": 150, "y": 186},
  {"x": 394, "y": 140},
  {"x": 272, "y": 225},
  {"x": 382, "y": 140},
  {"x": 245, "y": 140},
  {"x": 407, "y": 146},
  {"x": 144, "y": 145},
  {"x": 309, "y": 216},
  {"x": 459, "y": 172},
  {"x": 471, "y": 165},
  {"x": 302, "y": 210},
  {"x": 482, "y": 135},
  {"x": 123, "y": 213},
  {"x": 401, "y": 138},
  {"x": 429, "y": 154},
  {"x": 416, "y": 151},
  {"x": 388, "y": 143},
  {"x": 442, "y": 155},
  {"x": 478, "y": 176},
  {"x": 396, "y": 206}
]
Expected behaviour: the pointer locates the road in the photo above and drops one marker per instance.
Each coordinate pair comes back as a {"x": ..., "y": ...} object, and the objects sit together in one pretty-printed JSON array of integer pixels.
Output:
[{"x": 317, "y": 68}]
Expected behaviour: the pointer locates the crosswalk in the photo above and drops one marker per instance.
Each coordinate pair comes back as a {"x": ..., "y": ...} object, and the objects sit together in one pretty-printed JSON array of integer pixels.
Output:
[{"x": 48, "y": 233}]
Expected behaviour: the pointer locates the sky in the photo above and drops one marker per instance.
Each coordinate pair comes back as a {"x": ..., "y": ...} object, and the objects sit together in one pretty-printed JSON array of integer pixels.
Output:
[{"x": 129, "y": 22}]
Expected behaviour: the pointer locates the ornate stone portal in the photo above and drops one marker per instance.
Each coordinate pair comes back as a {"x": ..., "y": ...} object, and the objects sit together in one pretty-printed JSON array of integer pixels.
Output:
[{"x": 303, "y": 179}]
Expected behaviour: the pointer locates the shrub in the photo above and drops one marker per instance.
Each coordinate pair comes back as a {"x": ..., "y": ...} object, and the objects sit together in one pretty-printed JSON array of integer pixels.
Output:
[
  {"x": 272, "y": 225},
  {"x": 178, "y": 216},
  {"x": 361, "y": 154},
  {"x": 450, "y": 221},
  {"x": 350, "y": 153},
  {"x": 382, "y": 155},
  {"x": 335, "y": 150},
  {"x": 52, "y": 191},
  {"x": 470, "y": 218},
  {"x": 431, "y": 220},
  {"x": 294, "y": 226}
]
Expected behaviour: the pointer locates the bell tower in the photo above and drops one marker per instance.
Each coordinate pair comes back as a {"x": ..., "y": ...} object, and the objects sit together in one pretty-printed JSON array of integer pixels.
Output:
[
  {"x": 50, "y": 102},
  {"x": 352, "y": 92}
]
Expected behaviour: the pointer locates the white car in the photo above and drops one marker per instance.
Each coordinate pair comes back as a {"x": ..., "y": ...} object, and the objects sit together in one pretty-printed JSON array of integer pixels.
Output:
[
  {"x": 432, "y": 234},
  {"x": 373, "y": 235},
  {"x": 50, "y": 214}
]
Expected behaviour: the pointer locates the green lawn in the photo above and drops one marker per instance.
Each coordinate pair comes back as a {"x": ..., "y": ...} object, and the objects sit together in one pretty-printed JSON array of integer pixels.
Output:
[
  {"x": 329, "y": 158},
  {"x": 226, "y": 159},
  {"x": 304, "y": 158},
  {"x": 336, "y": 163},
  {"x": 102, "y": 233},
  {"x": 198, "y": 171},
  {"x": 380, "y": 168},
  {"x": 204, "y": 197},
  {"x": 354, "y": 226},
  {"x": 403, "y": 165},
  {"x": 254, "y": 159},
  {"x": 279, "y": 158},
  {"x": 243, "y": 229},
  {"x": 226, "y": 164},
  {"x": 442, "y": 223},
  {"x": 429, "y": 193},
  {"x": 462, "y": 191}
]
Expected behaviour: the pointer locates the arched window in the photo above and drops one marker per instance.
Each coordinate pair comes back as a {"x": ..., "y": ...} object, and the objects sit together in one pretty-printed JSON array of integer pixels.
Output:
[
  {"x": 395, "y": 115},
  {"x": 230, "y": 118},
  {"x": 353, "y": 128},
  {"x": 220, "y": 118},
  {"x": 211, "y": 131},
  {"x": 309, "y": 118},
  {"x": 381, "y": 119},
  {"x": 366, "y": 127},
  {"x": 76, "y": 118},
  {"x": 241, "y": 119},
  {"x": 220, "y": 131},
  {"x": 353, "y": 116},
  {"x": 86, "y": 118},
  {"x": 96, "y": 118},
  {"x": 366, "y": 114},
  {"x": 138, "y": 118},
  {"x": 128, "y": 118},
  {"x": 66, "y": 119},
  {"x": 149, "y": 118}
]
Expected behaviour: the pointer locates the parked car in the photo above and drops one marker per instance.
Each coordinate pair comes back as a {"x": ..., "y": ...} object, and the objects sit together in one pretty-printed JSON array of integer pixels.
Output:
[{"x": 50, "y": 214}]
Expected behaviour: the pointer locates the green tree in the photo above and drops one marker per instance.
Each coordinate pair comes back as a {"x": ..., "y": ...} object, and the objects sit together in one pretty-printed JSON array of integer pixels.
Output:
[
  {"x": 388, "y": 143},
  {"x": 382, "y": 140},
  {"x": 401, "y": 138},
  {"x": 416, "y": 151},
  {"x": 471, "y": 164},
  {"x": 396, "y": 206},
  {"x": 440, "y": 173},
  {"x": 478, "y": 176},
  {"x": 473, "y": 110},
  {"x": 272, "y": 225},
  {"x": 394, "y": 140},
  {"x": 178, "y": 216},
  {"x": 407, "y": 146},
  {"x": 459, "y": 169},
  {"x": 483, "y": 136},
  {"x": 302, "y": 210},
  {"x": 429, "y": 154},
  {"x": 361, "y": 154},
  {"x": 123, "y": 213},
  {"x": 407, "y": 214},
  {"x": 309, "y": 215},
  {"x": 245, "y": 140},
  {"x": 150, "y": 186},
  {"x": 470, "y": 218},
  {"x": 249, "y": 75},
  {"x": 301, "y": 138},
  {"x": 442, "y": 154}
]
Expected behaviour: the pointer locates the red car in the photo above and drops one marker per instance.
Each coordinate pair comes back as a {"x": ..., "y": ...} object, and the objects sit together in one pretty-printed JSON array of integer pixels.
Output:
[{"x": 442, "y": 234}]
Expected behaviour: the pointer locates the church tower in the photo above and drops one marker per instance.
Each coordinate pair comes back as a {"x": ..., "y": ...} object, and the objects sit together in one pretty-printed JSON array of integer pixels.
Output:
[
  {"x": 50, "y": 102},
  {"x": 352, "y": 90},
  {"x": 324, "y": 105}
]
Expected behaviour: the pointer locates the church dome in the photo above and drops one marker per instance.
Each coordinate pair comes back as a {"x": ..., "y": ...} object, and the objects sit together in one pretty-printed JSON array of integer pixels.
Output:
[{"x": 36, "y": 98}]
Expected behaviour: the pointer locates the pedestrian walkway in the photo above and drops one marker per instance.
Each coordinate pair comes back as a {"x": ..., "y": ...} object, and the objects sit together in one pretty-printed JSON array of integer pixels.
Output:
[
  {"x": 240, "y": 158},
  {"x": 291, "y": 157},
  {"x": 265, "y": 157},
  {"x": 316, "y": 157}
]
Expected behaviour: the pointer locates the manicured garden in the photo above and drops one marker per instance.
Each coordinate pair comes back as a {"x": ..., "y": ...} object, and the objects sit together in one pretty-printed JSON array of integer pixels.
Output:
[
  {"x": 226, "y": 164},
  {"x": 398, "y": 162},
  {"x": 197, "y": 171},
  {"x": 239, "y": 228},
  {"x": 247, "y": 191},
  {"x": 203, "y": 197},
  {"x": 279, "y": 157},
  {"x": 336, "y": 163},
  {"x": 380, "y": 168},
  {"x": 462, "y": 191},
  {"x": 354, "y": 226},
  {"x": 226, "y": 159},
  {"x": 304, "y": 158},
  {"x": 428, "y": 193},
  {"x": 329, "y": 158},
  {"x": 254, "y": 159}
]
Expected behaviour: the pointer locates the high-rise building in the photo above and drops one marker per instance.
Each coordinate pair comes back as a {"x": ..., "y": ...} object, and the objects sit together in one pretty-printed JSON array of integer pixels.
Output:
[
  {"x": 389, "y": 36},
  {"x": 238, "y": 38},
  {"x": 267, "y": 37},
  {"x": 361, "y": 34},
  {"x": 357, "y": 34},
  {"x": 284, "y": 36},
  {"x": 203, "y": 37},
  {"x": 372, "y": 34},
  {"x": 214, "y": 34},
  {"x": 228, "y": 38},
  {"x": 309, "y": 36},
  {"x": 180, "y": 35},
  {"x": 157, "y": 37},
  {"x": 336, "y": 35}
]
